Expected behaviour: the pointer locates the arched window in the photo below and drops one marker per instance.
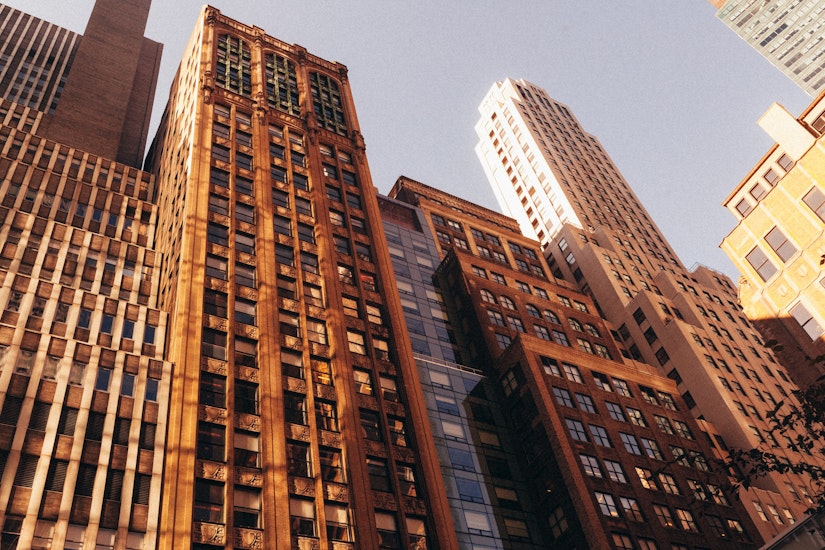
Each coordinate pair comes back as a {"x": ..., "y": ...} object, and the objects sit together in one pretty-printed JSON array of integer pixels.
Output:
[
  {"x": 533, "y": 311},
  {"x": 282, "y": 84},
  {"x": 550, "y": 316},
  {"x": 327, "y": 104},
  {"x": 488, "y": 296},
  {"x": 232, "y": 71},
  {"x": 507, "y": 302}
]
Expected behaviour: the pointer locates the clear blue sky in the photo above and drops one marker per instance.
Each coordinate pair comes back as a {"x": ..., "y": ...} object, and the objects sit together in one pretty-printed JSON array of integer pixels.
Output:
[{"x": 670, "y": 91}]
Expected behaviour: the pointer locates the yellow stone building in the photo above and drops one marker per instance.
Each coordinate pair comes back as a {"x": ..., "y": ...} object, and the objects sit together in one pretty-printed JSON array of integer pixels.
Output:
[{"x": 779, "y": 242}]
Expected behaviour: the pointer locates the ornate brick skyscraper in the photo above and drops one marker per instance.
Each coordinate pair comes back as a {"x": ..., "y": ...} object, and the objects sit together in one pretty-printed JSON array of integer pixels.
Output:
[
  {"x": 283, "y": 312},
  {"x": 559, "y": 182}
]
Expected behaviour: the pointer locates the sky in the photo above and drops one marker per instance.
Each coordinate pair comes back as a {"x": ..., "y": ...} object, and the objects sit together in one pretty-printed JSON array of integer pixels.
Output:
[{"x": 673, "y": 94}]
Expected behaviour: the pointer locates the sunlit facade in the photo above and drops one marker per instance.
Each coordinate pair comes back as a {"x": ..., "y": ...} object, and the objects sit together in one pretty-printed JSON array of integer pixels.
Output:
[
  {"x": 296, "y": 411},
  {"x": 83, "y": 377},
  {"x": 778, "y": 243},
  {"x": 559, "y": 182}
]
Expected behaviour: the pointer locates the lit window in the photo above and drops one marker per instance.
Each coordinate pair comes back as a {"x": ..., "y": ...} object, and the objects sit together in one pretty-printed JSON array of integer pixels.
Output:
[{"x": 607, "y": 504}]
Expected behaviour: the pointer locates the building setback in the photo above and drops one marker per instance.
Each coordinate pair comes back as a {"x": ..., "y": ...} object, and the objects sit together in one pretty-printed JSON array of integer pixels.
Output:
[
  {"x": 557, "y": 180},
  {"x": 778, "y": 244},
  {"x": 268, "y": 220},
  {"x": 789, "y": 34},
  {"x": 561, "y": 441},
  {"x": 83, "y": 379}
]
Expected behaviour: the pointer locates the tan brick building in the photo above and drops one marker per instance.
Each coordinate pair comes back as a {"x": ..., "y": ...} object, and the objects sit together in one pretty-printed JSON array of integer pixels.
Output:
[{"x": 778, "y": 243}]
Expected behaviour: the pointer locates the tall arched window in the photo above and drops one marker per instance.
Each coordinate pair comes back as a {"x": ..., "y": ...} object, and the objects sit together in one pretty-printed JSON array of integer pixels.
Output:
[
  {"x": 326, "y": 101},
  {"x": 232, "y": 71},
  {"x": 282, "y": 84}
]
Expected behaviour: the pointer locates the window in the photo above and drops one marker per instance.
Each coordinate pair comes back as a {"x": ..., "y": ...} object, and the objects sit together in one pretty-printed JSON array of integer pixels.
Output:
[
  {"x": 217, "y": 234},
  {"x": 631, "y": 509},
  {"x": 213, "y": 344},
  {"x": 295, "y": 408},
  {"x": 615, "y": 471},
  {"x": 607, "y": 504},
  {"x": 615, "y": 411},
  {"x": 379, "y": 474},
  {"x": 327, "y": 104},
  {"x": 806, "y": 320},
  {"x": 469, "y": 490},
  {"x": 453, "y": 430},
  {"x": 560, "y": 338},
  {"x": 631, "y": 444},
  {"x": 542, "y": 332},
  {"x": 398, "y": 431},
  {"x": 760, "y": 263},
  {"x": 354, "y": 201},
  {"x": 326, "y": 415},
  {"x": 446, "y": 405},
  {"x": 211, "y": 442},
  {"x": 302, "y": 517},
  {"x": 780, "y": 244},
  {"x": 356, "y": 342},
  {"x": 815, "y": 200},
  {"x": 363, "y": 381},
  {"x": 600, "y": 436},
  {"x": 496, "y": 318},
  {"x": 572, "y": 373},
  {"x": 586, "y": 403},
  {"x": 577, "y": 430},
  {"x": 668, "y": 484},
  {"x": 602, "y": 382},
  {"x": 591, "y": 466},
  {"x": 682, "y": 429},
  {"x": 216, "y": 267},
  {"x": 514, "y": 322},
  {"x": 284, "y": 255},
  {"x": 622, "y": 387},
  {"x": 686, "y": 520},
  {"x": 477, "y": 524},
  {"x": 461, "y": 460},
  {"x": 487, "y": 296},
  {"x": 562, "y": 397},
  {"x": 245, "y": 275},
  {"x": 218, "y": 205},
  {"x": 664, "y": 515},
  {"x": 551, "y": 366},
  {"x": 652, "y": 449},
  {"x": 503, "y": 340},
  {"x": 663, "y": 424},
  {"x": 209, "y": 499},
  {"x": 245, "y": 311}
]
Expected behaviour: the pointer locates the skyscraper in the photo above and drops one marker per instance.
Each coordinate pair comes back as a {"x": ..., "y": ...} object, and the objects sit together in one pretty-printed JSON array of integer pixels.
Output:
[
  {"x": 789, "y": 34},
  {"x": 778, "y": 244},
  {"x": 83, "y": 378},
  {"x": 548, "y": 436},
  {"x": 284, "y": 320},
  {"x": 558, "y": 181}
]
